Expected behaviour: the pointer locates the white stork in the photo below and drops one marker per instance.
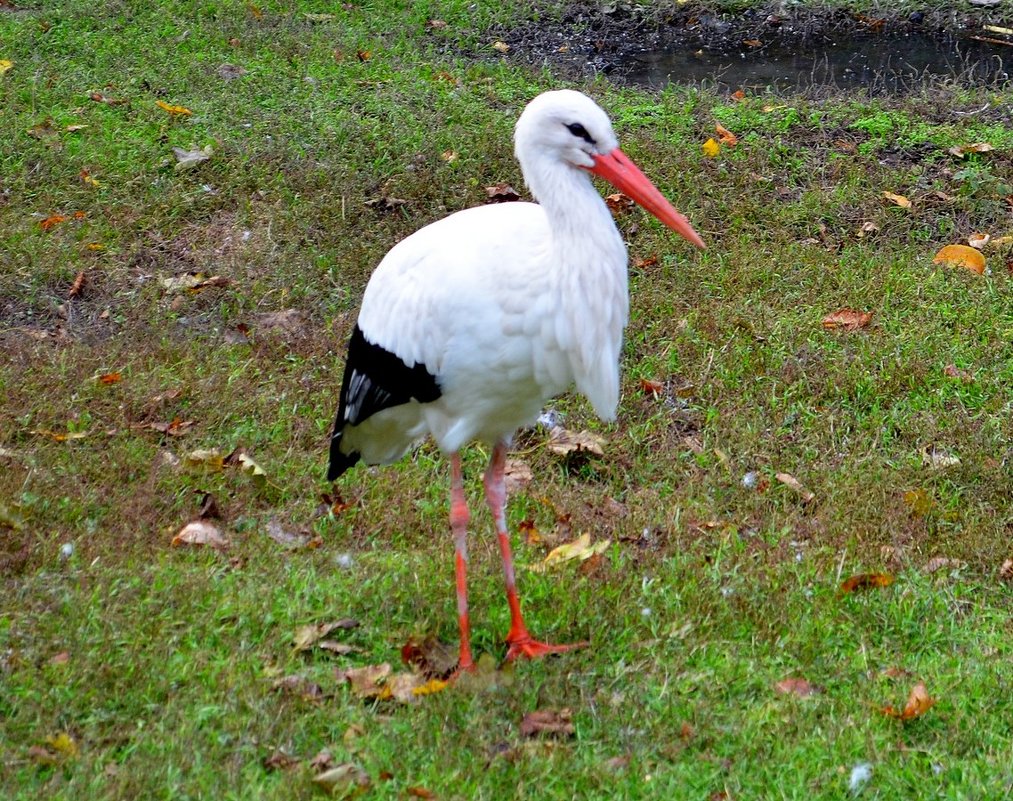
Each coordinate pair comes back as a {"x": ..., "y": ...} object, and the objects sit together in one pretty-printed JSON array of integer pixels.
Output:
[{"x": 471, "y": 324}]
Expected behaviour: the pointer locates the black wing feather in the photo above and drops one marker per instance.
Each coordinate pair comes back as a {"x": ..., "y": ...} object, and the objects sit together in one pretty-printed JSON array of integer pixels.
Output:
[{"x": 375, "y": 379}]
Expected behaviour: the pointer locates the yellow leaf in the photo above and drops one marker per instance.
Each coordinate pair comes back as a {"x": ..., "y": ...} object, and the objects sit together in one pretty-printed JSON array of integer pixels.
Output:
[
  {"x": 174, "y": 110},
  {"x": 711, "y": 148},
  {"x": 898, "y": 200},
  {"x": 580, "y": 549},
  {"x": 87, "y": 178},
  {"x": 5, "y": 65},
  {"x": 63, "y": 744},
  {"x": 210, "y": 458},
  {"x": 961, "y": 256}
]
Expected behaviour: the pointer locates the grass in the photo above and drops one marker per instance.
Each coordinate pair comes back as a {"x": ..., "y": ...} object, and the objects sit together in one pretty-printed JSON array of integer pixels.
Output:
[{"x": 159, "y": 662}]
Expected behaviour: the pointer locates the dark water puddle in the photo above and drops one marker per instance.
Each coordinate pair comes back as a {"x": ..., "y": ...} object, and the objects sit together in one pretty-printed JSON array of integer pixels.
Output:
[{"x": 881, "y": 64}]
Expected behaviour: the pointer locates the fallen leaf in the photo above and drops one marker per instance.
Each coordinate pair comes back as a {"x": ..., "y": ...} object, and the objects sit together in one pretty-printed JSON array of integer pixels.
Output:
[
  {"x": 98, "y": 97},
  {"x": 501, "y": 47},
  {"x": 938, "y": 563},
  {"x": 419, "y": 792},
  {"x": 344, "y": 780},
  {"x": 1006, "y": 570},
  {"x": 796, "y": 686},
  {"x": 449, "y": 156},
  {"x": 725, "y": 136},
  {"x": 230, "y": 72},
  {"x": 5, "y": 65},
  {"x": 176, "y": 428},
  {"x": 241, "y": 459},
  {"x": 187, "y": 159},
  {"x": 548, "y": 722},
  {"x": 61, "y": 436},
  {"x": 579, "y": 549},
  {"x": 962, "y": 151},
  {"x": 364, "y": 55},
  {"x": 200, "y": 532},
  {"x": 306, "y": 637},
  {"x": 88, "y": 179},
  {"x": 710, "y": 148},
  {"x": 865, "y": 581},
  {"x": 738, "y": 95},
  {"x": 651, "y": 387},
  {"x": 75, "y": 128},
  {"x": 517, "y": 475},
  {"x": 77, "y": 287},
  {"x": 938, "y": 459},
  {"x": 61, "y": 658},
  {"x": 210, "y": 458},
  {"x": 110, "y": 378},
  {"x": 436, "y": 24},
  {"x": 255, "y": 11},
  {"x": 52, "y": 221},
  {"x": 918, "y": 703},
  {"x": 45, "y": 130},
  {"x": 290, "y": 539},
  {"x": 898, "y": 200},
  {"x": 339, "y": 648},
  {"x": 846, "y": 320},
  {"x": 316, "y": 17},
  {"x": 279, "y": 760},
  {"x": 530, "y": 532},
  {"x": 961, "y": 256},
  {"x": 618, "y": 202},
  {"x": 565, "y": 442},
  {"x": 793, "y": 483},
  {"x": 385, "y": 203},
  {"x": 978, "y": 241},
  {"x": 324, "y": 759},
  {"x": 431, "y": 657},
  {"x": 866, "y": 228},
  {"x": 501, "y": 193},
  {"x": 649, "y": 261},
  {"x": 446, "y": 77},
  {"x": 209, "y": 508},
  {"x": 300, "y": 687},
  {"x": 752, "y": 43}
]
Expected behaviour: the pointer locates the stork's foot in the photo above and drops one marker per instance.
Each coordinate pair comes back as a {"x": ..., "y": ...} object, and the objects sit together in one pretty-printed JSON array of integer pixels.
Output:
[{"x": 524, "y": 645}]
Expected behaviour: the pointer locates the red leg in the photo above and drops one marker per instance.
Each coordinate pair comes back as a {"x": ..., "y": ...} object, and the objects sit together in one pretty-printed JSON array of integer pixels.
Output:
[
  {"x": 459, "y": 525},
  {"x": 519, "y": 639}
]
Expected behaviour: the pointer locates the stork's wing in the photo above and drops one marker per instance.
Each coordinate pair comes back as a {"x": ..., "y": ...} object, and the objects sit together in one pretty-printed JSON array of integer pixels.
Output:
[{"x": 375, "y": 379}]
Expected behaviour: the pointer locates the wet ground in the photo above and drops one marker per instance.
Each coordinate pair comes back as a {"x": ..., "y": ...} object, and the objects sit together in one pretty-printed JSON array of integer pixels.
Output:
[{"x": 802, "y": 50}]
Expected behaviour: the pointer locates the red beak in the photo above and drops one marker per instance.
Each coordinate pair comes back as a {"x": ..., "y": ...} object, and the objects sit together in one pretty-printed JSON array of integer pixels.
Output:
[{"x": 624, "y": 175}]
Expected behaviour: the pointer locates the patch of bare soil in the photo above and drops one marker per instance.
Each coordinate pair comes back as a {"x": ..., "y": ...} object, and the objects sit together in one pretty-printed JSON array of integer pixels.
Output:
[{"x": 591, "y": 38}]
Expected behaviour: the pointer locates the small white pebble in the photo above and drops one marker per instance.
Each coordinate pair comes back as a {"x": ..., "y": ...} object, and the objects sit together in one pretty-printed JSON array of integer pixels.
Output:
[
  {"x": 749, "y": 479},
  {"x": 646, "y": 611},
  {"x": 937, "y": 768},
  {"x": 246, "y": 235},
  {"x": 66, "y": 550},
  {"x": 344, "y": 560},
  {"x": 860, "y": 774},
  {"x": 549, "y": 418},
  {"x": 798, "y": 556},
  {"x": 726, "y": 591}
]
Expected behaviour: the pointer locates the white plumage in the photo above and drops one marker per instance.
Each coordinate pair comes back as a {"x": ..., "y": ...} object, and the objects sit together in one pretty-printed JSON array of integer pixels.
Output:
[{"x": 471, "y": 324}]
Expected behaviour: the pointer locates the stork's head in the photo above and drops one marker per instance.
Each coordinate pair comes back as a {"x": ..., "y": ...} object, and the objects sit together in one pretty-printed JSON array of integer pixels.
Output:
[{"x": 567, "y": 127}]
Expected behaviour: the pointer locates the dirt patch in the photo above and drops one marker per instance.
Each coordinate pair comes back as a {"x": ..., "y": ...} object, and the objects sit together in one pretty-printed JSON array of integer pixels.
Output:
[{"x": 621, "y": 38}]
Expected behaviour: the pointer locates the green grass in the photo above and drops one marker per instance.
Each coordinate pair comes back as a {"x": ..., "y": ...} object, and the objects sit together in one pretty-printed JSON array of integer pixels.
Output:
[{"x": 711, "y": 593}]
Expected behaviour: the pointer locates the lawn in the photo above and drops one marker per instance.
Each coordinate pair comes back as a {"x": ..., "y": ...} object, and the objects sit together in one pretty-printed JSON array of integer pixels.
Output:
[{"x": 152, "y": 310}]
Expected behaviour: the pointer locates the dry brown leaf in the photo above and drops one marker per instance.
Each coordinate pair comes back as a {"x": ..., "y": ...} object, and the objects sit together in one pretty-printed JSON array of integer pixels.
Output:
[
  {"x": 431, "y": 657},
  {"x": 962, "y": 151},
  {"x": 918, "y": 703},
  {"x": 648, "y": 261},
  {"x": 209, "y": 458},
  {"x": 501, "y": 47},
  {"x": 752, "y": 43},
  {"x": 306, "y": 637},
  {"x": 344, "y": 780},
  {"x": 961, "y": 256},
  {"x": 366, "y": 682},
  {"x": 866, "y": 228},
  {"x": 61, "y": 658},
  {"x": 339, "y": 648},
  {"x": 565, "y": 442},
  {"x": 979, "y": 240},
  {"x": 324, "y": 759},
  {"x": 738, "y": 95},
  {"x": 919, "y": 501},
  {"x": 651, "y": 387},
  {"x": 110, "y": 378},
  {"x": 501, "y": 193},
  {"x": 897, "y": 200},
  {"x": 77, "y": 287},
  {"x": 517, "y": 475},
  {"x": 449, "y": 156},
  {"x": 98, "y": 97},
  {"x": 937, "y": 458},
  {"x": 725, "y": 136},
  {"x": 176, "y": 428},
  {"x": 865, "y": 581},
  {"x": 200, "y": 532},
  {"x": 618, "y": 202},
  {"x": 281, "y": 535},
  {"x": 796, "y": 686},
  {"x": 419, "y": 792},
  {"x": 937, "y": 563},
  {"x": 846, "y": 320},
  {"x": 952, "y": 371},
  {"x": 436, "y": 24},
  {"x": 1006, "y": 570},
  {"x": 52, "y": 221},
  {"x": 279, "y": 760},
  {"x": 793, "y": 483},
  {"x": 548, "y": 722},
  {"x": 530, "y": 532}
]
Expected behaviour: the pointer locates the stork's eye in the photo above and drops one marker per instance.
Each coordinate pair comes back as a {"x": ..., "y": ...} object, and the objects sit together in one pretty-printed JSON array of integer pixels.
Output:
[{"x": 579, "y": 130}]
